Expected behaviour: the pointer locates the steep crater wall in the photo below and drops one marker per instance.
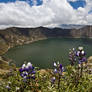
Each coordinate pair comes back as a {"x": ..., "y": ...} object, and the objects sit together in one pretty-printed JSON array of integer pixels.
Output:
[{"x": 11, "y": 37}]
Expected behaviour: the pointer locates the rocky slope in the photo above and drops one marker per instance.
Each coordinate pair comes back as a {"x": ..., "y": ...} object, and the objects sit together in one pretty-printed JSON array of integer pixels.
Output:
[
  {"x": 17, "y": 36},
  {"x": 4, "y": 64}
]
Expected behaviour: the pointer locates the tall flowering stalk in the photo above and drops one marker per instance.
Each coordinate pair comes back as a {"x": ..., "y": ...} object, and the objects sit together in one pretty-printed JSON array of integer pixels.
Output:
[
  {"x": 72, "y": 56},
  {"x": 27, "y": 72},
  {"x": 76, "y": 72},
  {"x": 57, "y": 72},
  {"x": 81, "y": 59}
]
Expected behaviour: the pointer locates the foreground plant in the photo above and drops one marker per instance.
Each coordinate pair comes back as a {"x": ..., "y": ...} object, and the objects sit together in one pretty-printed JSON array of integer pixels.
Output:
[
  {"x": 76, "y": 75},
  {"x": 27, "y": 71},
  {"x": 72, "y": 56},
  {"x": 75, "y": 83},
  {"x": 82, "y": 60},
  {"x": 57, "y": 74},
  {"x": 78, "y": 57}
]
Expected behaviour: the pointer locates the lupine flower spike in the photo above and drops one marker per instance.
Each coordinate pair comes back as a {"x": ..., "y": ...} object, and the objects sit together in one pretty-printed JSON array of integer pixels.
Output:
[
  {"x": 27, "y": 71},
  {"x": 81, "y": 55},
  {"x": 81, "y": 58},
  {"x": 57, "y": 73},
  {"x": 72, "y": 56}
]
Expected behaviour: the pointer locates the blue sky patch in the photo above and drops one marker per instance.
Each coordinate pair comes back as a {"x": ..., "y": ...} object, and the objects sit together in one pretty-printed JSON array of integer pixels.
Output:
[
  {"x": 77, "y": 4},
  {"x": 39, "y": 2},
  {"x": 6, "y": 1}
]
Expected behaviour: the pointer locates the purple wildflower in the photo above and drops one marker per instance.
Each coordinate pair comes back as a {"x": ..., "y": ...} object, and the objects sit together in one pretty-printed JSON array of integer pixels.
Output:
[
  {"x": 55, "y": 71},
  {"x": 21, "y": 69},
  {"x": 81, "y": 60},
  {"x": 60, "y": 66},
  {"x": 33, "y": 72},
  {"x": 53, "y": 80},
  {"x": 84, "y": 59},
  {"x": 81, "y": 55},
  {"x": 8, "y": 87},
  {"x": 27, "y": 71},
  {"x": 72, "y": 56}
]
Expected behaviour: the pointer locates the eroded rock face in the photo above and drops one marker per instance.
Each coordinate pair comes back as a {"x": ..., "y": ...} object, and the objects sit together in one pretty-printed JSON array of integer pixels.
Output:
[
  {"x": 89, "y": 64},
  {"x": 11, "y": 37},
  {"x": 4, "y": 64},
  {"x": 90, "y": 59}
]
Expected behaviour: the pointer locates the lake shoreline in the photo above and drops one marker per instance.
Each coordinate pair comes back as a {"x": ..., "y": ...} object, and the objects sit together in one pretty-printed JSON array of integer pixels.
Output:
[
  {"x": 32, "y": 41},
  {"x": 49, "y": 49}
]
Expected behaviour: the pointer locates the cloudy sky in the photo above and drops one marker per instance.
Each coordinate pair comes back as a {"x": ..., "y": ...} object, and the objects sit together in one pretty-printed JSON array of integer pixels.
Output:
[{"x": 48, "y": 13}]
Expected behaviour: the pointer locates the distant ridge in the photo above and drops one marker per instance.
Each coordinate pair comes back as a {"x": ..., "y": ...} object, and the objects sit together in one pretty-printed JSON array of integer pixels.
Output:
[{"x": 71, "y": 26}]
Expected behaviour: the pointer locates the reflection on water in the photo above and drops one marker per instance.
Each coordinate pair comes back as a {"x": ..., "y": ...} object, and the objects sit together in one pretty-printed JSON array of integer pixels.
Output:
[{"x": 44, "y": 53}]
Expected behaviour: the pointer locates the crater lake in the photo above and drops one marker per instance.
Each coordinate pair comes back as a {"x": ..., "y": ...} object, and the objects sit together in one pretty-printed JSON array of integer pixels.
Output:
[{"x": 44, "y": 52}]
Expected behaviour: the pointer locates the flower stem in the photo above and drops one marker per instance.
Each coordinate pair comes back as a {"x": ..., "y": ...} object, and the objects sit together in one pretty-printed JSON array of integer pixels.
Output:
[{"x": 59, "y": 82}]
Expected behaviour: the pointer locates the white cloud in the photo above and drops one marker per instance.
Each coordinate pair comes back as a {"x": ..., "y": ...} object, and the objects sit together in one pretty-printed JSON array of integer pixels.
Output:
[
  {"x": 52, "y": 13},
  {"x": 75, "y": 0}
]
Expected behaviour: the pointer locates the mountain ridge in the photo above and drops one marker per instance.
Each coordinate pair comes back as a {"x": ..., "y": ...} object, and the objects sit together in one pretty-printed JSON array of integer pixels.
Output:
[{"x": 13, "y": 36}]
